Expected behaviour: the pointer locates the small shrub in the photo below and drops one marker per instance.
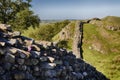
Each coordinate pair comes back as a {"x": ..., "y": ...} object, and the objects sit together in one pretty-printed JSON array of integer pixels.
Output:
[{"x": 63, "y": 44}]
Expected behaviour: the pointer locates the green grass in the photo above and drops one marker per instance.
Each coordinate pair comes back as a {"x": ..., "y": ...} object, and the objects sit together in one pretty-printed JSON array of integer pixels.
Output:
[
  {"x": 109, "y": 61},
  {"x": 112, "y": 21},
  {"x": 70, "y": 29},
  {"x": 46, "y": 31},
  {"x": 65, "y": 44}
]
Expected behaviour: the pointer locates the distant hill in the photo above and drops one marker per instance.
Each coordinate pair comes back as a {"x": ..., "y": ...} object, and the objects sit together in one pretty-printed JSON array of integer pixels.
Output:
[
  {"x": 50, "y": 21},
  {"x": 113, "y": 19}
]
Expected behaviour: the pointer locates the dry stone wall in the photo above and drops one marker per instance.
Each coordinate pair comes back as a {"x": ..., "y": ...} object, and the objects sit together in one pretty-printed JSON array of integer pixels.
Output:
[
  {"x": 77, "y": 42},
  {"x": 23, "y": 59}
]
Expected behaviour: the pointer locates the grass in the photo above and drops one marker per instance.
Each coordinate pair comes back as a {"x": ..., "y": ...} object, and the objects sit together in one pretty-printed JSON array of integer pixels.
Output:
[
  {"x": 65, "y": 44},
  {"x": 109, "y": 62},
  {"x": 70, "y": 29},
  {"x": 112, "y": 19},
  {"x": 46, "y": 31}
]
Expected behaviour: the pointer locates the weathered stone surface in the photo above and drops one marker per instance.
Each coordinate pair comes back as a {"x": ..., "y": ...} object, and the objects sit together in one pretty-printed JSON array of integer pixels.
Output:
[
  {"x": 16, "y": 33},
  {"x": 50, "y": 73},
  {"x": 34, "y": 61},
  {"x": 43, "y": 58},
  {"x": 2, "y": 43},
  {"x": 48, "y": 65},
  {"x": 77, "y": 50},
  {"x": 13, "y": 41},
  {"x": 10, "y": 58},
  {"x": 28, "y": 42},
  {"x": 2, "y": 71},
  {"x": 5, "y": 27},
  {"x": 12, "y": 50},
  {"x": 51, "y": 59},
  {"x": 18, "y": 62},
  {"x": 58, "y": 62},
  {"x": 19, "y": 76},
  {"x": 35, "y": 48},
  {"x": 23, "y": 54}
]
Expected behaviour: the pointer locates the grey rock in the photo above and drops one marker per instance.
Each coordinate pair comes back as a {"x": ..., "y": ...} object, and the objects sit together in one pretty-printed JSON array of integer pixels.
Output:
[
  {"x": 34, "y": 61},
  {"x": 43, "y": 58},
  {"x": 36, "y": 68},
  {"x": 51, "y": 59},
  {"x": 50, "y": 73},
  {"x": 2, "y": 71},
  {"x": 5, "y": 27},
  {"x": 58, "y": 62},
  {"x": 13, "y": 41},
  {"x": 28, "y": 42},
  {"x": 85, "y": 73},
  {"x": 20, "y": 61},
  {"x": 12, "y": 50},
  {"x": 35, "y": 48},
  {"x": 16, "y": 33},
  {"x": 19, "y": 76},
  {"x": 7, "y": 66},
  {"x": 2, "y": 51},
  {"x": 35, "y": 54},
  {"x": 22, "y": 67},
  {"x": 2, "y": 43},
  {"x": 48, "y": 65},
  {"x": 10, "y": 58},
  {"x": 23, "y": 54}
]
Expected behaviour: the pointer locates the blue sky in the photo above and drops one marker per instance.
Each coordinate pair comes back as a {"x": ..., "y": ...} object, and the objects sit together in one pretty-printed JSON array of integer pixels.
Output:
[{"x": 75, "y": 9}]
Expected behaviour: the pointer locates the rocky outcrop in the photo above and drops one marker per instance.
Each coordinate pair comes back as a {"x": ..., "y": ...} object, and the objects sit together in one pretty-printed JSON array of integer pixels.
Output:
[
  {"x": 21, "y": 58},
  {"x": 113, "y": 28}
]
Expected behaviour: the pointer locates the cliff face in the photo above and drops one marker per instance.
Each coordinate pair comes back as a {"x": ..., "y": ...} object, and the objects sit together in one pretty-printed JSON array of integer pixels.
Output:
[{"x": 21, "y": 58}]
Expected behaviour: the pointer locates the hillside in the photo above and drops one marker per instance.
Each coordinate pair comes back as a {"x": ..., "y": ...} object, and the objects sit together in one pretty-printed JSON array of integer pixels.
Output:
[
  {"x": 101, "y": 43},
  {"x": 46, "y": 31},
  {"x": 101, "y": 48},
  {"x": 65, "y": 37}
]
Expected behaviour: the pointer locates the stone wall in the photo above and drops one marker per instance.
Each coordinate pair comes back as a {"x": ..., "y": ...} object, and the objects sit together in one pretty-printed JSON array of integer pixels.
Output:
[
  {"x": 77, "y": 42},
  {"x": 21, "y": 58}
]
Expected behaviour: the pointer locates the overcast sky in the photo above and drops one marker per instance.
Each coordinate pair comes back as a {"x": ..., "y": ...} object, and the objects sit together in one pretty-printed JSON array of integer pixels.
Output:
[{"x": 75, "y": 9}]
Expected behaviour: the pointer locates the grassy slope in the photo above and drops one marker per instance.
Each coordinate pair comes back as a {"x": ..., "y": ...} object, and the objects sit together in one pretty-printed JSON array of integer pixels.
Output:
[
  {"x": 69, "y": 42},
  {"x": 112, "y": 19},
  {"x": 109, "y": 61},
  {"x": 46, "y": 30}
]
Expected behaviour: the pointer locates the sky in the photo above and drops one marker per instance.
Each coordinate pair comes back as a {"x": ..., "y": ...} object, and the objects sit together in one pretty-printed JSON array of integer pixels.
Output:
[{"x": 75, "y": 9}]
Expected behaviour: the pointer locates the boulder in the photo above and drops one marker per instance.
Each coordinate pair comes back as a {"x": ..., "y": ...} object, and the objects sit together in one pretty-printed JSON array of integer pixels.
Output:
[
  {"x": 16, "y": 33},
  {"x": 5, "y": 27},
  {"x": 10, "y": 58}
]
